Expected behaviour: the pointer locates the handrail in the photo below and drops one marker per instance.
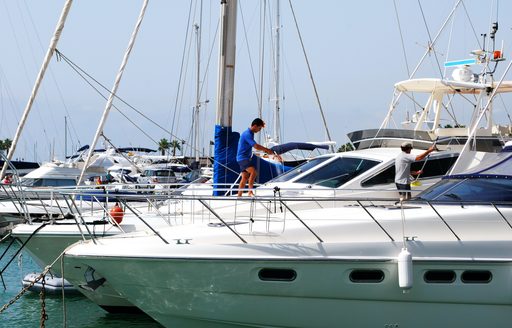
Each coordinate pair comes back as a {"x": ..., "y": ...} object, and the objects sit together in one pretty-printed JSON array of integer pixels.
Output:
[{"x": 221, "y": 220}]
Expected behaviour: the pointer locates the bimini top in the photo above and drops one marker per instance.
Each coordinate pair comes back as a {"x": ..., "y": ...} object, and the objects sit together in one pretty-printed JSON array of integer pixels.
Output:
[
  {"x": 431, "y": 85},
  {"x": 286, "y": 147}
]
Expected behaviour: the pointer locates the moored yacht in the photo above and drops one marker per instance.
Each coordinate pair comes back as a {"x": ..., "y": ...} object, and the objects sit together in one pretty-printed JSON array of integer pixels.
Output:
[{"x": 441, "y": 258}]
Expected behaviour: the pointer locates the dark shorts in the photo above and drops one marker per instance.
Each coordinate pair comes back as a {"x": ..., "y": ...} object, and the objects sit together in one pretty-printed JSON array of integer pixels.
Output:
[
  {"x": 401, "y": 186},
  {"x": 244, "y": 164}
]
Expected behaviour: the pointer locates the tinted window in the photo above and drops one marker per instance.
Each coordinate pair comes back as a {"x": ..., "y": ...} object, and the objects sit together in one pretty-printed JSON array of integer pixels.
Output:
[
  {"x": 434, "y": 167},
  {"x": 439, "y": 276},
  {"x": 384, "y": 177},
  {"x": 300, "y": 169},
  {"x": 338, "y": 172},
  {"x": 164, "y": 173},
  {"x": 476, "y": 190},
  {"x": 54, "y": 182},
  {"x": 367, "y": 276}
]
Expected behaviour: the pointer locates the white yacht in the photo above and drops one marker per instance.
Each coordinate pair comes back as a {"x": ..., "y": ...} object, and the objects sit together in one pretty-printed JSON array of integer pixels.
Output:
[{"x": 440, "y": 259}]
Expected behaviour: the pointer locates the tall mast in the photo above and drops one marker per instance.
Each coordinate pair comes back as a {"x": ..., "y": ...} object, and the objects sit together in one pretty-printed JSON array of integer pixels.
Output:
[
  {"x": 198, "y": 90},
  {"x": 277, "y": 59},
  {"x": 225, "y": 165},
  {"x": 226, "y": 76}
]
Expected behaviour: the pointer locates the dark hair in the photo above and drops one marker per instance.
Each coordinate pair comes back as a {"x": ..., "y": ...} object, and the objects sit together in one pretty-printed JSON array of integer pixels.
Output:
[{"x": 258, "y": 122}]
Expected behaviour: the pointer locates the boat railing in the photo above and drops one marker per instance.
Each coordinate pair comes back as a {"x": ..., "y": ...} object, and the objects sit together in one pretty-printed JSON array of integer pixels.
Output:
[{"x": 263, "y": 215}]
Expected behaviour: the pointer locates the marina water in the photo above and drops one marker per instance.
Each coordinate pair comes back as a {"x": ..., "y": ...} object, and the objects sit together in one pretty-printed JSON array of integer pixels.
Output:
[{"x": 79, "y": 311}]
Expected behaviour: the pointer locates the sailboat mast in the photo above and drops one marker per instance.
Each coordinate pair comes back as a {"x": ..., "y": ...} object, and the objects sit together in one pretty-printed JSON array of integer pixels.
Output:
[
  {"x": 225, "y": 165},
  {"x": 44, "y": 66},
  {"x": 226, "y": 76},
  {"x": 198, "y": 91},
  {"x": 277, "y": 47},
  {"x": 65, "y": 137}
]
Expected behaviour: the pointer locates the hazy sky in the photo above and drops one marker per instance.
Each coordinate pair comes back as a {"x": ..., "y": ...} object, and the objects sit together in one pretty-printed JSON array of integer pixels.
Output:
[{"x": 354, "y": 49}]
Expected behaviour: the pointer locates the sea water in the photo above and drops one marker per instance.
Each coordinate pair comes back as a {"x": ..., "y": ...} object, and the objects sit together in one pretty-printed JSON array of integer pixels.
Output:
[{"x": 72, "y": 311}]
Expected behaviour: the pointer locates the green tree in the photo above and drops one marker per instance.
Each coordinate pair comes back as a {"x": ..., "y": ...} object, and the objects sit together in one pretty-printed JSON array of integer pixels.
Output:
[
  {"x": 163, "y": 145},
  {"x": 5, "y": 144},
  {"x": 175, "y": 144},
  {"x": 346, "y": 147}
]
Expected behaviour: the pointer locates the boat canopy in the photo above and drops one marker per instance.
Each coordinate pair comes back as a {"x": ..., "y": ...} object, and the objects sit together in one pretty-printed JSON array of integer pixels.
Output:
[
  {"x": 432, "y": 85},
  {"x": 286, "y": 147}
]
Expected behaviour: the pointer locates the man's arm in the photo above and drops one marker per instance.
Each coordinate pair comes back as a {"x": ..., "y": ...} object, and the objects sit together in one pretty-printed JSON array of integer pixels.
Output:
[
  {"x": 268, "y": 151},
  {"x": 263, "y": 149},
  {"x": 428, "y": 151}
]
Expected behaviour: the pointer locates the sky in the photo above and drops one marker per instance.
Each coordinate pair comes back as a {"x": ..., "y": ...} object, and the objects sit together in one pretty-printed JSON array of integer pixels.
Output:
[{"x": 354, "y": 49}]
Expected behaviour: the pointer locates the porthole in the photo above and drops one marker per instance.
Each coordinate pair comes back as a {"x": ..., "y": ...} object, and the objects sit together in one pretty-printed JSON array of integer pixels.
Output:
[
  {"x": 272, "y": 274},
  {"x": 439, "y": 276},
  {"x": 476, "y": 277},
  {"x": 366, "y": 276}
]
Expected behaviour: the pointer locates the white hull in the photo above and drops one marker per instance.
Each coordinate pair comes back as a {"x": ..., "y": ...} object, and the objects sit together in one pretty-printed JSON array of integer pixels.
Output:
[{"x": 177, "y": 292}]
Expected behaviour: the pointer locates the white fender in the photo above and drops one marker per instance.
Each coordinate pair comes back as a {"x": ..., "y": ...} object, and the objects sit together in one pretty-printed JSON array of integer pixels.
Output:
[{"x": 405, "y": 269}]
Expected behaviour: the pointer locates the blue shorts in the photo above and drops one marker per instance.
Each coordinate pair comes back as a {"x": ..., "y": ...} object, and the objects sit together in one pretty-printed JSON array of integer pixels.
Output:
[
  {"x": 244, "y": 164},
  {"x": 402, "y": 189}
]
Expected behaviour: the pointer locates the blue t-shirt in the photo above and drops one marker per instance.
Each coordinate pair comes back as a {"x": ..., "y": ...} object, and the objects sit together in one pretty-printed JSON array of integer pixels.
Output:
[{"x": 245, "y": 145}]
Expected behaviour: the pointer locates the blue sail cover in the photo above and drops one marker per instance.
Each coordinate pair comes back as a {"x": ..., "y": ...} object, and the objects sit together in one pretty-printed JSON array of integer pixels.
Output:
[
  {"x": 283, "y": 148},
  {"x": 226, "y": 168}
]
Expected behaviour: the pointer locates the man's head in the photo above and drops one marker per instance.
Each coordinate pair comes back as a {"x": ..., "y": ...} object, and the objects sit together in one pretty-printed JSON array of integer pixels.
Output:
[
  {"x": 406, "y": 146},
  {"x": 257, "y": 124}
]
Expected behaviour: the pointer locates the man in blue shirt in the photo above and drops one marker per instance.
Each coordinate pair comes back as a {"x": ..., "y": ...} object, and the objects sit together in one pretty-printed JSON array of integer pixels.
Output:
[{"x": 244, "y": 155}]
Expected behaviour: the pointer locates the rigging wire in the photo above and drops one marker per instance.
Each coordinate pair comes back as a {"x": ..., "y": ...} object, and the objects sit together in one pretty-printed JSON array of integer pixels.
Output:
[
  {"x": 263, "y": 17},
  {"x": 185, "y": 42},
  {"x": 85, "y": 76},
  {"x": 249, "y": 52},
  {"x": 311, "y": 75},
  {"x": 59, "y": 91},
  {"x": 430, "y": 42},
  {"x": 23, "y": 63}
]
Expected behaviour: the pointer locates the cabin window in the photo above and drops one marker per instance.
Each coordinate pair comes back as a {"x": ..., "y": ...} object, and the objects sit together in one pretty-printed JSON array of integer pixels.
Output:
[
  {"x": 476, "y": 277},
  {"x": 435, "y": 167},
  {"x": 277, "y": 274},
  {"x": 385, "y": 177},
  {"x": 338, "y": 172},
  {"x": 439, "y": 276},
  {"x": 473, "y": 190},
  {"x": 366, "y": 276},
  {"x": 300, "y": 169}
]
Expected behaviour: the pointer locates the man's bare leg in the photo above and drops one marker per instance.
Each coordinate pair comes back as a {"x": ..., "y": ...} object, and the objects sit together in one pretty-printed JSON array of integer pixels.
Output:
[
  {"x": 252, "y": 178},
  {"x": 243, "y": 181}
]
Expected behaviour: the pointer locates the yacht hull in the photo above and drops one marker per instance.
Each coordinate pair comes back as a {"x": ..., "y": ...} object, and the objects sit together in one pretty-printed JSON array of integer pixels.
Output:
[{"x": 304, "y": 291}]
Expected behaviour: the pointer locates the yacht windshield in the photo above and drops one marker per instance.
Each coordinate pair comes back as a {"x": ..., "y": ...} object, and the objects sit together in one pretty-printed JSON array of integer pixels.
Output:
[
  {"x": 300, "y": 169},
  {"x": 470, "y": 190},
  {"x": 338, "y": 172},
  {"x": 47, "y": 182}
]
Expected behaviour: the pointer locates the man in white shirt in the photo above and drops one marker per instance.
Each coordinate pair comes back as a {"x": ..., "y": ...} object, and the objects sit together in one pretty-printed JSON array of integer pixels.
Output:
[{"x": 403, "y": 168}]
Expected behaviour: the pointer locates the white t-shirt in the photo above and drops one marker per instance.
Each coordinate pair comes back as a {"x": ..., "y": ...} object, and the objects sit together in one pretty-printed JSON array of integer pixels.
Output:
[{"x": 403, "y": 167}]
